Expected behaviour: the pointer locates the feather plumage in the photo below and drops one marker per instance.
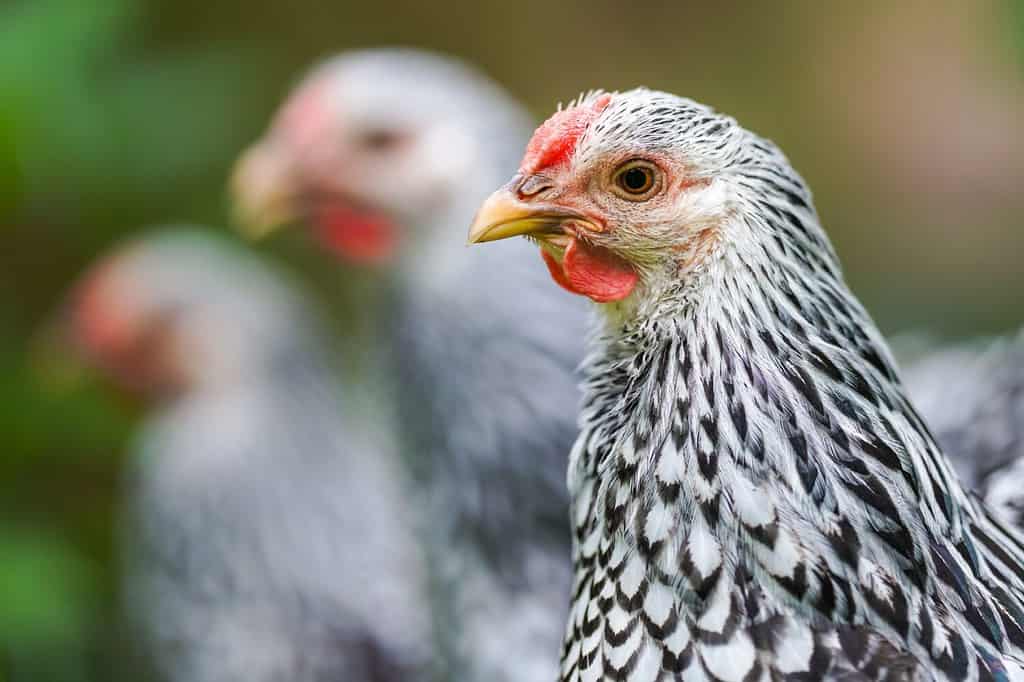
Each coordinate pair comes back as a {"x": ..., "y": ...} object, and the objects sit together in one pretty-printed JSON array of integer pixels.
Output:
[
  {"x": 266, "y": 537},
  {"x": 754, "y": 496},
  {"x": 972, "y": 396},
  {"x": 487, "y": 392}
]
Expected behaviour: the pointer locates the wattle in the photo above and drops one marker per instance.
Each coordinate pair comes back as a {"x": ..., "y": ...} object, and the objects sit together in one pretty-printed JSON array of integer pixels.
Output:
[
  {"x": 592, "y": 271},
  {"x": 361, "y": 236}
]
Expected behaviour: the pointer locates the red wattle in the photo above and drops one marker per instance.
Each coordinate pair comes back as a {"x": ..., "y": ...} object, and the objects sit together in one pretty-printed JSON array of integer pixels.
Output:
[
  {"x": 593, "y": 272},
  {"x": 557, "y": 274},
  {"x": 364, "y": 237}
]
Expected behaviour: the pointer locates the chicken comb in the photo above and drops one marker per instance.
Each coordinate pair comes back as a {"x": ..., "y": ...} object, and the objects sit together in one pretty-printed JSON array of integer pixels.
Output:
[
  {"x": 555, "y": 140},
  {"x": 307, "y": 114}
]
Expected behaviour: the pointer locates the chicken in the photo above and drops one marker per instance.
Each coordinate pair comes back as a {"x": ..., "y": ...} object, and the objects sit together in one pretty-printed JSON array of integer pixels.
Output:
[
  {"x": 266, "y": 537},
  {"x": 384, "y": 156},
  {"x": 972, "y": 396},
  {"x": 753, "y": 495}
]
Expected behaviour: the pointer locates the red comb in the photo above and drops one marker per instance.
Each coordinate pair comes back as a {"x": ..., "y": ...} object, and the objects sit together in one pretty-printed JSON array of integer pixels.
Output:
[
  {"x": 98, "y": 323},
  {"x": 306, "y": 114},
  {"x": 556, "y": 138}
]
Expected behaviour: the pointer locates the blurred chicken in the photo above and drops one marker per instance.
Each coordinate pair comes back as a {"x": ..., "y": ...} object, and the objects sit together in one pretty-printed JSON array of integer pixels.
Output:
[
  {"x": 972, "y": 396},
  {"x": 384, "y": 155},
  {"x": 266, "y": 539}
]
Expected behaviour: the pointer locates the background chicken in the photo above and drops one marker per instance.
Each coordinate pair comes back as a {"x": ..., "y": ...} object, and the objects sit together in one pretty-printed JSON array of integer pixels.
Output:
[
  {"x": 385, "y": 155},
  {"x": 266, "y": 538},
  {"x": 972, "y": 396},
  {"x": 754, "y": 496}
]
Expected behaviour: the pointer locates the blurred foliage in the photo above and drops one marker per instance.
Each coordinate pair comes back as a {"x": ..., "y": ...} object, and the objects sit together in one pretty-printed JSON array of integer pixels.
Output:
[
  {"x": 121, "y": 113},
  {"x": 1017, "y": 15},
  {"x": 49, "y": 595},
  {"x": 86, "y": 153}
]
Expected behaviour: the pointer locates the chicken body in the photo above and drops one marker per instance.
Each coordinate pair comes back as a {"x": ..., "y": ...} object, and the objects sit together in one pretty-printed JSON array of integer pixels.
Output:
[
  {"x": 972, "y": 396},
  {"x": 406, "y": 143},
  {"x": 753, "y": 495},
  {"x": 494, "y": 423},
  {"x": 266, "y": 537}
]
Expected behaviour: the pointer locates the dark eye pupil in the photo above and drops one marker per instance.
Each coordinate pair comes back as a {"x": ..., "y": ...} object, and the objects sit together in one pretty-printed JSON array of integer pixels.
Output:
[
  {"x": 381, "y": 140},
  {"x": 636, "y": 179}
]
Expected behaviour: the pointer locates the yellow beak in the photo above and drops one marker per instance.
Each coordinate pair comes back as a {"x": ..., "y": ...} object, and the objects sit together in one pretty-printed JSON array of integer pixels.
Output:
[
  {"x": 262, "y": 189},
  {"x": 503, "y": 216}
]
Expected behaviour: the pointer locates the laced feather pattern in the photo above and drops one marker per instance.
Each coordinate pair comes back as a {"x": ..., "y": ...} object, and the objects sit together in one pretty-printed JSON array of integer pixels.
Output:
[{"x": 754, "y": 497}]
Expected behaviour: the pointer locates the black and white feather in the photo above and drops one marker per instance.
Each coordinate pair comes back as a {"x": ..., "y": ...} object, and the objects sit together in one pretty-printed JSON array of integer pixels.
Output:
[
  {"x": 972, "y": 396},
  {"x": 754, "y": 497}
]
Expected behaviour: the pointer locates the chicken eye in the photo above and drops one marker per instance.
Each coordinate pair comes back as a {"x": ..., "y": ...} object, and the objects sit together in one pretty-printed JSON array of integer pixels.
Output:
[
  {"x": 636, "y": 180},
  {"x": 382, "y": 140}
]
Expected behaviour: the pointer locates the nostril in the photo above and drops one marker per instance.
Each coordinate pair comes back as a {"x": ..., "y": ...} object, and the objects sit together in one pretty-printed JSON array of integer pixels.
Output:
[{"x": 533, "y": 185}]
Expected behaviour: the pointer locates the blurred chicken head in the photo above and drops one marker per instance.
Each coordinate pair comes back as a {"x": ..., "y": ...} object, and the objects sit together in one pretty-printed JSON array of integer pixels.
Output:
[
  {"x": 370, "y": 147},
  {"x": 175, "y": 312}
]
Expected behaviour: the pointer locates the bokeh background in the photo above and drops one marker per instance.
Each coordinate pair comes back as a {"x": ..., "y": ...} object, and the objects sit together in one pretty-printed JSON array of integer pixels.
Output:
[{"x": 907, "y": 119}]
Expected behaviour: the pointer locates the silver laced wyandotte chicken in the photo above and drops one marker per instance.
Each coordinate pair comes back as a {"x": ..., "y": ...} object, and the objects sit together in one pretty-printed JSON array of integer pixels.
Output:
[
  {"x": 266, "y": 539},
  {"x": 972, "y": 396},
  {"x": 753, "y": 495},
  {"x": 384, "y": 155}
]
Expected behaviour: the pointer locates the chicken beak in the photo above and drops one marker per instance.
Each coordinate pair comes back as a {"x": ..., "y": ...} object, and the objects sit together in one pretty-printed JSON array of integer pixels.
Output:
[
  {"x": 55, "y": 354},
  {"x": 262, "y": 188},
  {"x": 503, "y": 216}
]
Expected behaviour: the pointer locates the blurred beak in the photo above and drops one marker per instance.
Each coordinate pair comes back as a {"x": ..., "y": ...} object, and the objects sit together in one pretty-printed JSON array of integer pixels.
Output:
[
  {"x": 263, "y": 190},
  {"x": 503, "y": 216},
  {"x": 56, "y": 356}
]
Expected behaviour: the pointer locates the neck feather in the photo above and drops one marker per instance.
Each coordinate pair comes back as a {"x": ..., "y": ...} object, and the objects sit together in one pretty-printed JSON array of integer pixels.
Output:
[
  {"x": 768, "y": 404},
  {"x": 747, "y": 450}
]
